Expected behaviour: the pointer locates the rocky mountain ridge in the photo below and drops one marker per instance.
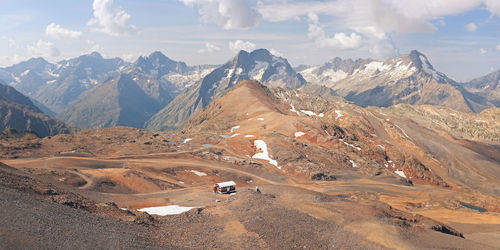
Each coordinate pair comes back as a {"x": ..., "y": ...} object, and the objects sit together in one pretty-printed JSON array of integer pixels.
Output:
[{"x": 19, "y": 113}]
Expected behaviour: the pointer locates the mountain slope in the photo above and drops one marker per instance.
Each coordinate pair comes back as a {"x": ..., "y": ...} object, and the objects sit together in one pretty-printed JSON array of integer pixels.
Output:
[
  {"x": 306, "y": 135},
  {"x": 258, "y": 65},
  {"x": 407, "y": 79},
  {"x": 118, "y": 102},
  {"x": 487, "y": 87},
  {"x": 19, "y": 113},
  {"x": 75, "y": 76}
]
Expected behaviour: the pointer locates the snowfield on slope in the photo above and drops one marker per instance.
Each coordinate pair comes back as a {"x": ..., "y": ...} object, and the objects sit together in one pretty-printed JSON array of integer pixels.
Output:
[
  {"x": 166, "y": 210},
  {"x": 400, "y": 173},
  {"x": 197, "y": 172},
  {"x": 264, "y": 155}
]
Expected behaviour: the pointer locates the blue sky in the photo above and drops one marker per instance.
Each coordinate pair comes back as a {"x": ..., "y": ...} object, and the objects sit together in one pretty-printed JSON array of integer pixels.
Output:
[{"x": 461, "y": 38}]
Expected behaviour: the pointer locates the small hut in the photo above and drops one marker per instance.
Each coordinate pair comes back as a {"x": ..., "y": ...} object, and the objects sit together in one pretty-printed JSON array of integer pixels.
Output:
[{"x": 225, "y": 187}]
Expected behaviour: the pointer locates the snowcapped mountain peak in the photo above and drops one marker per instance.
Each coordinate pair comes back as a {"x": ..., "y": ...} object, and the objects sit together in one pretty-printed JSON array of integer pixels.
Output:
[
  {"x": 423, "y": 64},
  {"x": 261, "y": 65}
]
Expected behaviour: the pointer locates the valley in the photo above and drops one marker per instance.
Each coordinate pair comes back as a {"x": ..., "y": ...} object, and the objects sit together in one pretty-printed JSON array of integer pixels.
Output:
[
  {"x": 331, "y": 174},
  {"x": 250, "y": 124}
]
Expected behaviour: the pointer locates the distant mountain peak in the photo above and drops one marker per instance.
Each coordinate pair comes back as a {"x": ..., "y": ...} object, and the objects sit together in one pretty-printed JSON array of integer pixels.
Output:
[
  {"x": 420, "y": 61},
  {"x": 96, "y": 55},
  {"x": 158, "y": 56}
]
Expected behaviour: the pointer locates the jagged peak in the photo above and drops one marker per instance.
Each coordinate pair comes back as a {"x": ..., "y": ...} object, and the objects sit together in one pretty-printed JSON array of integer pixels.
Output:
[
  {"x": 419, "y": 60},
  {"x": 157, "y": 55},
  {"x": 258, "y": 53}
]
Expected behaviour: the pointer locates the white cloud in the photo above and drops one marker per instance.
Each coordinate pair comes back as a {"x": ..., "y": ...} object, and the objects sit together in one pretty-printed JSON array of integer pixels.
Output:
[
  {"x": 56, "y": 31},
  {"x": 498, "y": 47},
  {"x": 230, "y": 14},
  {"x": 482, "y": 51},
  {"x": 129, "y": 57},
  {"x": 276, "y": 53},
  {"x": 43, "y": 48},
  {"x": 238, "y": 45},
  {"x": 94, "y": 47},
  {"x": 339, "y": 41},
  {"x": 110, "y": 21},
  {"x": 209, "y": 47},
  {"x": 471, "y": 27},
  {"x": 493, "y": 6}
]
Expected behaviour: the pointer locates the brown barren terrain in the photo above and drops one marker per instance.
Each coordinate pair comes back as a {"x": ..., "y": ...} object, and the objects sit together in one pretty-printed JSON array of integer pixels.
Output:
[{"x": 374, "y": 178}]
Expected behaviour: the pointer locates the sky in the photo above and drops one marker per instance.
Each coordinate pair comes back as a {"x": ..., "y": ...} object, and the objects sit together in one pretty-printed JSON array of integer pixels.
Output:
[{"x": 461, "y": 38}]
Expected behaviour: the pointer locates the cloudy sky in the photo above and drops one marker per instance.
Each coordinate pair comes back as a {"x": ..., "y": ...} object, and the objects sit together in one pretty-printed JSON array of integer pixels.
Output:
[{"x": 460, "y": 37}]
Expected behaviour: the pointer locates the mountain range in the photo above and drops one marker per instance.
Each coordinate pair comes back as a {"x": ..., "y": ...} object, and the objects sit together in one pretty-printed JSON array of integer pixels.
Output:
[
  {"x": 158, "y": 93},
  {"x": 259, "y": 65},
  {"x": 408, "y": 79}
]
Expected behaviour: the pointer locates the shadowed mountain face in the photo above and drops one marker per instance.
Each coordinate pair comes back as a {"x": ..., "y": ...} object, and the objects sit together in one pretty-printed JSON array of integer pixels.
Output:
[
  {"x": 54, "y": 87},
  {"x": 131, "y": 98},
  {"x": 407, "y": 79},
  {"x": 163, "y": 78},
  {"x": 19, "y": 113},
  {"x": 259, "y": 65},
  {"x": 118, "y": 102},
  {"x": 487, "y": 87}
]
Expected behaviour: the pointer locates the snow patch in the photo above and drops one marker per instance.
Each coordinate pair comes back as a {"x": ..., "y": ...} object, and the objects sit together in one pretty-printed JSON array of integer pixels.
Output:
[
  {"x": 258, "y": 70},
  {"x": 373, "y": 67},
  {"x": 350, "y": 145},
  {"x": 311, "y": 113},
  {"x": 400, "y": 173},
  {"x": 299, "y": 134},
  {"x": 354, "y": 165},
  {"x": 260, "y": 119},
  {"x": 264, "y": 155},
  {"x": 293, "y": 109},
  {"x": 339, "y": 114},
  {"x": 426, "y": 66},
  {"x": 235, "y": 135},
  {"x": 197, "y": 173},
  {"x": 327, "y": 132},
  {"x": 249, "y": 136},
  {"x": 25, "y": 72},
  {"x": 404, "y": 133},
  {"x": 166, "y": 210},
  {"x": 382, "y": 147},
  {"x": 187, "y": 140},
  {"x": 235, "y": 127}
]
